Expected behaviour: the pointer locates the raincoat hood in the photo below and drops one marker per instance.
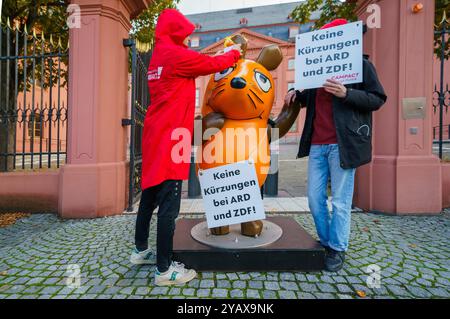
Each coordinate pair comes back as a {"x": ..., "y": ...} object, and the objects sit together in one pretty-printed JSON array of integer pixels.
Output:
[
  {"x": 334, "y": 23},
  {"x": 174, "y": 26}
]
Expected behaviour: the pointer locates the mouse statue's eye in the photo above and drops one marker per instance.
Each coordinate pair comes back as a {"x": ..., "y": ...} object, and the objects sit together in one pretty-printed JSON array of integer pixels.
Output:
[
  {"x": 219, "y": 76},
  {"x": 263, "y": 81}
]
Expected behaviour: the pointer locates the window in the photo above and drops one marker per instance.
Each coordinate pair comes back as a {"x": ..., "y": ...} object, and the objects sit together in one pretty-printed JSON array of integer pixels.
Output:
[
  {"x": 291, "y": 64},
  {"x": 243, "y": 21},
  {"x": 35, "y": 127},
  {"x": 293, "y": 32},
  {"x": 244, "y": 10},
  {"x": 195, "y": 42},
  {"x": 197, "y": 97},
  {"x": 291, "y": 85}
]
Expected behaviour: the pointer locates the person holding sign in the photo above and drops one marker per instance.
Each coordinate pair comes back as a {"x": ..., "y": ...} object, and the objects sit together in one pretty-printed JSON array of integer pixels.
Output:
[
  {"x": 337, "y": 137},
  {"x": 171, "y": 78}
]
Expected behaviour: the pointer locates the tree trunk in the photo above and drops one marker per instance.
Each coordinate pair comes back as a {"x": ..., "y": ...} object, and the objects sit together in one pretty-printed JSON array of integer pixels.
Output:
[
  {"x": 7, "y": 137},
  {"x": 7, "y": 109}
]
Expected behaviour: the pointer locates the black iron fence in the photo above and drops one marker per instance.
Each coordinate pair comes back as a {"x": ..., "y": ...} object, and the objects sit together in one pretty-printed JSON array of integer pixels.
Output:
[
  {"x": 441, "y": 94},
  {"x": 140, "y": 99},
  {"x": 445, "y": 131},
  {"x": 33, "y": 99}
]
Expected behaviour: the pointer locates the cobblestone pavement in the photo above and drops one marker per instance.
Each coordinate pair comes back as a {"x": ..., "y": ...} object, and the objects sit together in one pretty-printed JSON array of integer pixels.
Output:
[{"x": 412, "y": 253}]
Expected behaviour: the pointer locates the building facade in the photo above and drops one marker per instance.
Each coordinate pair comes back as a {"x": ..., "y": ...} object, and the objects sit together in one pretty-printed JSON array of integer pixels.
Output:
[{"x": 272, "y": 20}]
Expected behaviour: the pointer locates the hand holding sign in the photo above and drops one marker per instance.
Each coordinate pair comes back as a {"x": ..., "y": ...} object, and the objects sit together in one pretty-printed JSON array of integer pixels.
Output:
[
  {"x": 336, "y": 88},
  {"x": 290, "y": 97}
]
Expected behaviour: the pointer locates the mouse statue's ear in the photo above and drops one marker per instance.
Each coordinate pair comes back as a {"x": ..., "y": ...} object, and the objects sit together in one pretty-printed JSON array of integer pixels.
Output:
[{"x": 270, "y": 57}]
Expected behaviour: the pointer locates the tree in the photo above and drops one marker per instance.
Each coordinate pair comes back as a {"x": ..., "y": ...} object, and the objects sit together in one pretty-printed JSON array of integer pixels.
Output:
[
  {"x": 442, "y": 10},
  {"x": 330, "y": 9}
]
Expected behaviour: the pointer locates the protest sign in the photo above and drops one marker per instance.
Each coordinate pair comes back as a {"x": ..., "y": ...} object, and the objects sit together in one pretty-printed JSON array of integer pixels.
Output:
[
  {"x": 334, "y": 53},
  {"x": 231, "y": 194}
]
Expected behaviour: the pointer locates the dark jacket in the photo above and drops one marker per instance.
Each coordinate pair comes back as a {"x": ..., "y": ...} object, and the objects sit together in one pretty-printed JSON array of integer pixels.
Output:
[{"x": 352, "y": 118}]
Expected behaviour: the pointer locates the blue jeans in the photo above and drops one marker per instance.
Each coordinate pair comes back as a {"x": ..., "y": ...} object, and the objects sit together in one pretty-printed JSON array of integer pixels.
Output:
[{"x": 324, "y": 162}]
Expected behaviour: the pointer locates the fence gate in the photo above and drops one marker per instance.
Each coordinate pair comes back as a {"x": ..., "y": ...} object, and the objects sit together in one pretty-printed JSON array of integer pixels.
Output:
[
  {"x": 140, "y": 99},
  {"x": 441, "y": 94},
  {"x": 33, "y": 98}
]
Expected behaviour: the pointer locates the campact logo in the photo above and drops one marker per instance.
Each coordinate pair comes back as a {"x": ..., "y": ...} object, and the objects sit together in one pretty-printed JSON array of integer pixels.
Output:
[{"x": 155, "y": 74}]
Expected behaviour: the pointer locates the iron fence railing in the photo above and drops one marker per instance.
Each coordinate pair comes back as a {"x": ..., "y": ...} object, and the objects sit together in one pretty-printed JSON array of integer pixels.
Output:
[
  {"x": 441, "y": 94},
  {"x": 33, "y": 99},
  {"x": 445, "y": 135},
  {"x": 140, "y": 99}
]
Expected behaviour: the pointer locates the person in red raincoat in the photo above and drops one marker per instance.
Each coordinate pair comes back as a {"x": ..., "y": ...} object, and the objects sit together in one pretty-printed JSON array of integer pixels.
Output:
[{"x": 171, "y": 80}]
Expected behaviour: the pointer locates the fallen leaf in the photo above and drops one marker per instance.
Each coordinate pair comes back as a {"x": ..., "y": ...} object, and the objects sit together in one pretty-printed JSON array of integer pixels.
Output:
[
  {"x": 366, "y": 229},
  {"x": 361, "y": 293},
  {"x": 3, "y": 273},
  {"x": 7, "y": 219},
  {"x": 413, "y": 245}
]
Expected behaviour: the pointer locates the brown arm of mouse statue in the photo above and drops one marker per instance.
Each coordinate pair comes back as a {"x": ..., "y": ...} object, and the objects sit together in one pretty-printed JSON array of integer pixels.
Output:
[
  {"x": 210, "y": 121},
  {"x": 286, "y": 118},
  {"x": 271, "y": 57}
]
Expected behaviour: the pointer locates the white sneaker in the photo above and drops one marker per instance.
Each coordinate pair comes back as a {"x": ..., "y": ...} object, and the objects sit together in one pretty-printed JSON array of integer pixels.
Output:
[
  {"x": 146, "y": 257},
  {"x": 177, "y": 274}
]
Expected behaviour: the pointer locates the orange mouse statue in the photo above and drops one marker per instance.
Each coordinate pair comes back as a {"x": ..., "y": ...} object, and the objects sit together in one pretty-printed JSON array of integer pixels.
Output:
[{"x": 237, "y": 105}]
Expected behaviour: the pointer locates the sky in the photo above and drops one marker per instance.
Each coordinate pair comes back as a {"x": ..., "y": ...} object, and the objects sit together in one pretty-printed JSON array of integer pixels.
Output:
[{"x": 199, "y": 6}]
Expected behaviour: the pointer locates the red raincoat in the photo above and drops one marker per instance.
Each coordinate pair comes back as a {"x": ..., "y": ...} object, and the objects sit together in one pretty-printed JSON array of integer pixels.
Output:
[{"x": 171, "y": 80}]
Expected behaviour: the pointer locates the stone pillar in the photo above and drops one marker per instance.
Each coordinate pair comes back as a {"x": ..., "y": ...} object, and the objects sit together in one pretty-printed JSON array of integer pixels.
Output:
[
  {"x": 404, "y": 176},
  {"x": 94, "y": 181}
]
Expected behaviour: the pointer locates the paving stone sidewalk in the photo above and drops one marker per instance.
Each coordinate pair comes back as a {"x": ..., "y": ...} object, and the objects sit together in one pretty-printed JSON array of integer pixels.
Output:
[{"x": 40, "y": 253}]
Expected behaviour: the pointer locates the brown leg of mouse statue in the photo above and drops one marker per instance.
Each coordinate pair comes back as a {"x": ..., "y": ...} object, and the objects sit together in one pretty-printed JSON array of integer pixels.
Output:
[
  {"x": 220, "y": 231},
  {"x": 252, "y": 229},
  {"x": 214, "y": 120}
]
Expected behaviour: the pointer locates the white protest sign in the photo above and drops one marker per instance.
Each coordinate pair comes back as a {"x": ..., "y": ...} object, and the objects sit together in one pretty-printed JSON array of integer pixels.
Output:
[
  {"x": 231, "y": 194},
  {"x": 334, "y": 53},
  {"x": 233, "y": 47}
]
